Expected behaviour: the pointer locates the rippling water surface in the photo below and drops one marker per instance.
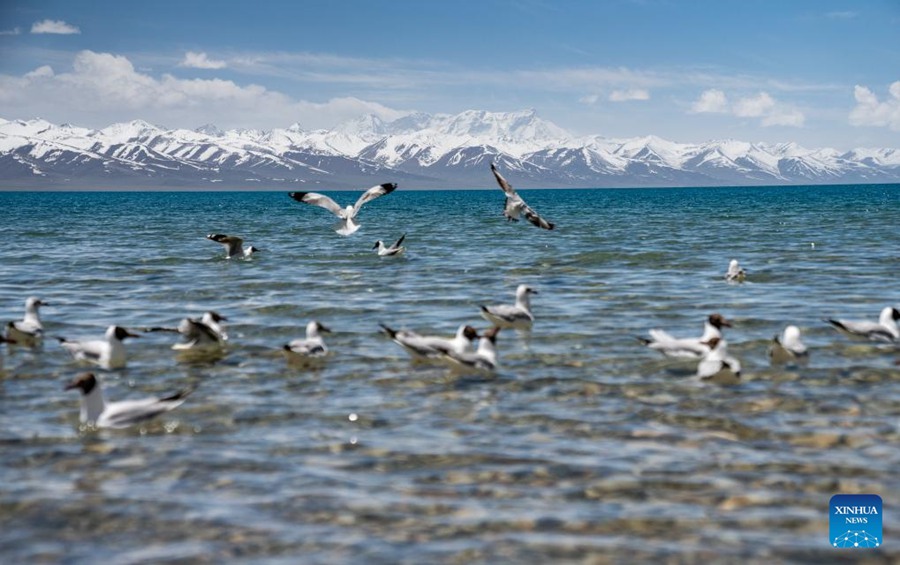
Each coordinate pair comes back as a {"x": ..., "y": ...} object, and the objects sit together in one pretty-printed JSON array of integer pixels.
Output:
[{"x": 585, "y": 446}]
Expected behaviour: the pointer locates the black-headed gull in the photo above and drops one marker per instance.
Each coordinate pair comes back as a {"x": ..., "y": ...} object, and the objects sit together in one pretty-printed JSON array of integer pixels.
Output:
[
  {"x": 207, "y": 332},
  {"x": 395, "y": 249},
  {"x": 108, "y": 353},
  {"x": 312, "y": 348},
  {"x": 422, "y": 347},
  {"x": 484, "y": 359},
  {"x": 885, "y": 329},
  {"x": 788, "y": 347},
  {"x": 95, "y": 411},
  {"x": 735, "y": 273},
  {"x": 687, "y": 347},
  {"x": 516, "y": 316},
  {"x": 234, "y": 246},
  {"x": 716, "y": 364},
  {"x": 29, "y": 331},
  {"x": 347, "y": 226},
  {"x": 514, "y": 204}
]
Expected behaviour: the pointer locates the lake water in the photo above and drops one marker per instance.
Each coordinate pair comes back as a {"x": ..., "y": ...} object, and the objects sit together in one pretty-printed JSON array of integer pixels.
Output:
[{"x": 585, "y": 446}]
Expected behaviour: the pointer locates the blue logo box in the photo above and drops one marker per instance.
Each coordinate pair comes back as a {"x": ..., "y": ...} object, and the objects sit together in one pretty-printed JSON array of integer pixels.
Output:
[{"x": 855, "y": 521}]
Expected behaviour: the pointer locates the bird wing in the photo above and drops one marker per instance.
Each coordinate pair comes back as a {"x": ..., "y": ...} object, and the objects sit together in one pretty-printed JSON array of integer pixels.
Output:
[
  {"x": 372, "y": 194},
  {"x": 399, "y": 242},
  {"x": 87, "y": 350},
  {"x": 507, "y": 188},
  {"x": 233, "y": 243},
  {"x": 535, "y": 219},
  {"x": 317, "y": 199},
  {"x": 126, "y": 412},
  {"x": 507, "y": 313},
  {"x": 515, "y": 204}
]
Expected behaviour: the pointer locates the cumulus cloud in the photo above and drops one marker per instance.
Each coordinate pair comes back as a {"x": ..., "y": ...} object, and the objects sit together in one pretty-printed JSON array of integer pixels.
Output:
[
  {"x": 627, "y": 95},
  {"x": 869, "y": 111},
  {"x": 762, "y": 105},
  {"x": 54, "y": 26},
  {"x": 103, "y": 88},
  {"x": 200, "y": 61}
]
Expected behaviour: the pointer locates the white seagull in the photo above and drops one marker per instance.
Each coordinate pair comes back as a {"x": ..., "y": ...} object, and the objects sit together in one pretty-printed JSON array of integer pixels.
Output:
[
  {"x": 234, "y": 246},
  {"x": 787, "y": 347},
  {"x": 687, "y": 347},
  {"x": 310, "y": 349},
  {"x": 422, "y": 347},
  {"x": 347, "y": 226},
  {"x": 885, "y": 329},
  {"x": 735, "y": 272},
  {"x": 717, "y": 364},
  {"x": 95, "y": 411},
  {"x": 207, "y": 332},
  {"x": 108, "y": 353},
  {"x": 395, "y": 249},
  {"x": 484, "y": 359},
  {"x": 29, "y": 331},
  {"x": 516, "y": 316},
  {"x": 514, "y": 204}
]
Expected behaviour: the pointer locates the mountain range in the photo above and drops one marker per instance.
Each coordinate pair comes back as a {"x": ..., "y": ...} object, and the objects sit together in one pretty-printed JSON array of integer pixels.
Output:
[{"x": 416, "y": 151}]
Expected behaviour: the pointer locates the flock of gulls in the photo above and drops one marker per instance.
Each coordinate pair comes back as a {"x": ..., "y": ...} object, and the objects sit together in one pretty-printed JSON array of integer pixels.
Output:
[{"x": 460, "y": 352}]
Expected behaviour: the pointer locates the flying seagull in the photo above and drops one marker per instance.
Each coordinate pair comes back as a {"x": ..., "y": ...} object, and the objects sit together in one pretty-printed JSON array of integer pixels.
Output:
[
  {"x": 234, "y": 246},
  {"x": 95, "y": 411},
  {"x": 346, "y": 226},
  {"x": 395, "y": 249},
  {"x": 515, "y": 205}
]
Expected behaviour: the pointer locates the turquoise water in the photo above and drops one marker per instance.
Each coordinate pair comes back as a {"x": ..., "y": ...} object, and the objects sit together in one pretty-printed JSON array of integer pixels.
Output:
[{"x": 584, "y": 446}]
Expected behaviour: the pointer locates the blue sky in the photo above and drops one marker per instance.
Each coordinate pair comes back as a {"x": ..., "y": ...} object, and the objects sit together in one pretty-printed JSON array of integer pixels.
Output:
[{"x": 821, "y": 73}]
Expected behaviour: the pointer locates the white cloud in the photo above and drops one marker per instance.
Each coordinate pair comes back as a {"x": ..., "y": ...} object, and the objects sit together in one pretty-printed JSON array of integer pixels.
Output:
[
  {"x": 589, "y": 99},
  {"x": 103, "y": 88},
  {"x": 200, "y": 61},
  {"x": 870, "y": 112},
  {"x": 54, "y": 26},
  {"x": 14, "y": 31},
  {"x": 754, "y": 107},
  {"x": 711, "y": 101},
  {"x": 627, "y": 95}
]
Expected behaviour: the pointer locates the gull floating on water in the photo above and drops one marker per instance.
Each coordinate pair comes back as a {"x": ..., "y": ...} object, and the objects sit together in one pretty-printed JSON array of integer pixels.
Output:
[
  {"x": 687, "y": 347},
  {"x": 108, "y": 353},
  {"x": 307, "y": 350},
  {"x": 234, "y": 246},
  {"x": 516, "y": 316},
  {"x": 207, "y": 332},
  {"x": 29, "y": 331},
  {"x": 787, "y": 347},
  {"x": 484, "y": 359},
  {"x": 392, "y": 250},
  {"x": 514, "y": 204},
  {"x": 95, "y": 411},
  {"x": 717, "y": 364},
  {"x": 885, "y": 329},
  {"x": 422, "y": 347},
  {"x": 735, "y": 272},
  {"x": 347, "y": 226}
]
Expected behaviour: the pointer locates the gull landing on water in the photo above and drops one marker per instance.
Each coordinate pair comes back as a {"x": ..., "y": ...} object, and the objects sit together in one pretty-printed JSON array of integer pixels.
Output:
[
  {"x": 515, "y": 205},
  {"x": 309, "y": 350},
  {"x": 395, "y": 249},
  {"x": 346, "y": 226},
  {"x": 234, "y": 246},
  {"x": 885, "y": 329},
  {"x": 29, "y": 331},
  {"x": 95, "y": 411},
  {"x": 687, "y": 347},
  {"x": 516, "y": 316},
  {"x": 422, "y": 348},
  {"x": 108, "y": 353},
  {"x": 787, "y": 347}
]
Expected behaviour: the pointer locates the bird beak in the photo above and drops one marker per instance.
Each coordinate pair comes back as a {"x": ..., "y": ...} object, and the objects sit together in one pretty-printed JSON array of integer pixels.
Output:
[{"x": 324, "y": 329}]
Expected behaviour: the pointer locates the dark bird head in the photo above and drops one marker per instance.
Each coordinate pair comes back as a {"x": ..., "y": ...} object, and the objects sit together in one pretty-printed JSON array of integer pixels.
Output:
[
  {"x": 121, "y": 333},
  {"x": 216, "y": 317},
  {"x": 718, "y": 321},
  {"x": 322, "y": 328},
  {"x": 491, "y": 334},
  {"x": 85, "y": 381},
  {"x": 469, "y": 333},
  {"x": 895, "y": 314}
]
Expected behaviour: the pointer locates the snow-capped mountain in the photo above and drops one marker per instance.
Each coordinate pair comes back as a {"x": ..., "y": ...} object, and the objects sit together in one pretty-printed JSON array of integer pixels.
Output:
[{"x": 417, "y": 150}]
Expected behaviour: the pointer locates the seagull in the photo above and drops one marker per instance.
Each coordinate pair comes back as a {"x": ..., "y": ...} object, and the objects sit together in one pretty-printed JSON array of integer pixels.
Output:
[
  {"x": 735, "y": 272},
  {"x": 204, "y": 333},
  {"x": 506, "y": 316},
  {"x": 422, "y": 347},
  {"x": 29, "y": 331},
  {"x": 108, "y": 353},
  {"x": 483, "y": 359},
  {"x": 885, "y": 329},
  {"x": 310, "y": 349},
  {"x": 515, "y": 205},
  {"x": 395, "y": 249},
  {"x": 234, "y": 246},
  {"x": 95, "y": 411},
  {"x": 692, "y": 348},
  {"x": 347, "y": 226},
  {"x": 787, "y": 347},
  {"x": 717, "y": 364}
]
